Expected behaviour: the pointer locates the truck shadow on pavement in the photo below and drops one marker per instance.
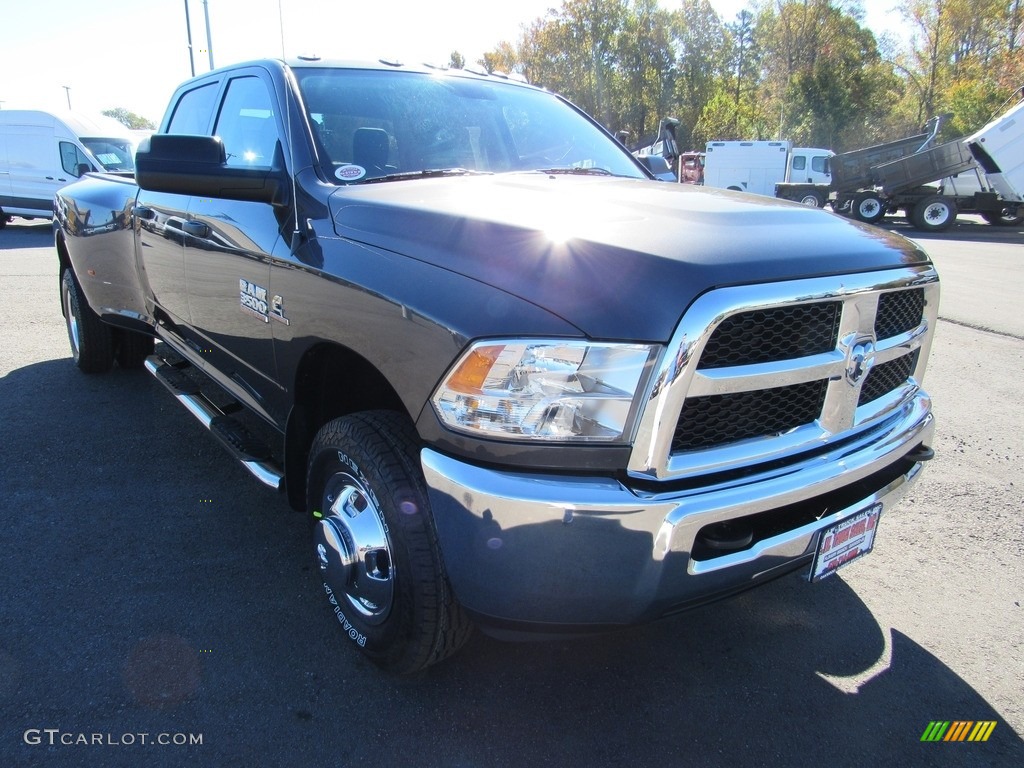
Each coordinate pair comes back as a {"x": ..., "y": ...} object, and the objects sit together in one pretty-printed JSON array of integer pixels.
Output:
[{"x": 152, "y": 586}]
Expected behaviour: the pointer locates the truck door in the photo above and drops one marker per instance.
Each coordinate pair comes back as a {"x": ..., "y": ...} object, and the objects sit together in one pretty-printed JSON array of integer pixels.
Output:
[
  {"x": 161, "y": 216},
  {"x": 819, "y": 167},
  {"x": 809, "y": 166},
  {"x": 229, "y": 245}
]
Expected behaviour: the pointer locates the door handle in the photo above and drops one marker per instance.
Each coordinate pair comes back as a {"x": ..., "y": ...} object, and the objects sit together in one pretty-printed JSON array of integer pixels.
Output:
[
  {"x": 195, "y": 228},
  {"x": 142, "y": 212}
]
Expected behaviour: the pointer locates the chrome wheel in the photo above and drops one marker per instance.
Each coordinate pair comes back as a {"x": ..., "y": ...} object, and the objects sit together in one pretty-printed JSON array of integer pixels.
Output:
[
  {"x": 71, "y": 315},
  {"x": 353, "y": 550}
]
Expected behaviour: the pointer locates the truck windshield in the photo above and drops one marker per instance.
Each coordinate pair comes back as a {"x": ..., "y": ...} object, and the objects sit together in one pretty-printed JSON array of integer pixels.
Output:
[
  {"x": 112, "y": 153},
  {"x": 397, "y": 125}
]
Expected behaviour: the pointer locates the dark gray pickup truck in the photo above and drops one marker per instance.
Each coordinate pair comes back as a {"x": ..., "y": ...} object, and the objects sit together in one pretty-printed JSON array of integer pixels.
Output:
[{"x": 514, "y": 382}]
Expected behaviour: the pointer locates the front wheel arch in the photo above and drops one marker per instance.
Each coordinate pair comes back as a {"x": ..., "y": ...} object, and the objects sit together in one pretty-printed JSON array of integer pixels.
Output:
[{"x": 330, "y": 381}]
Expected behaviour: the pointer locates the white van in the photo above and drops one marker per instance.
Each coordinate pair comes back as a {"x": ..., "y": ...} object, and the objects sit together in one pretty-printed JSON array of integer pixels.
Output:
[
  {"x": 40, "y": 152},
  {"x": 757, "y": 166}
]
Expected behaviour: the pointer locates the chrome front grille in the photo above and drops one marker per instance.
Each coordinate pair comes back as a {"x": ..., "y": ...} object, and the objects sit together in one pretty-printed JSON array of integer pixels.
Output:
[{"x": 760, "y": 374}]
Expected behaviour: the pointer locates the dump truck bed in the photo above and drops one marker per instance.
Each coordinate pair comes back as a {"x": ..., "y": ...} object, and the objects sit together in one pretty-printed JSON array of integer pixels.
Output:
[
  {"x": 924, "y": 167},
  {"x": 853, "y": 170}
]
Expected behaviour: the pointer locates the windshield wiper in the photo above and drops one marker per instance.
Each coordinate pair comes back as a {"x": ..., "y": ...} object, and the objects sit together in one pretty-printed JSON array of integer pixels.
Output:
[
  {"x": 575, "y": 171},
  {"x": 430, "y": 173}
]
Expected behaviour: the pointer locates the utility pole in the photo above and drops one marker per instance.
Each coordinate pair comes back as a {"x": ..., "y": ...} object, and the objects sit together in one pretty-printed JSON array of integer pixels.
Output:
[
  {"x": 209, "y": 36},
  {"x": 188, "y": 30},
  {"x": 67, "y": 92}
]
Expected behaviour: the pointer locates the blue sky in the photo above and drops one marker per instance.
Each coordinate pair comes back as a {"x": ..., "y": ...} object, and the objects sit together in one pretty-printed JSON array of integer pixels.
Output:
[{"x": 133, "y": 53}]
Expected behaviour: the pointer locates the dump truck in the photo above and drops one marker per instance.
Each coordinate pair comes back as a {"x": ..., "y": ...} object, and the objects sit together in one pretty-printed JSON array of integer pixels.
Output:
[{"x": 919, "y": 177}]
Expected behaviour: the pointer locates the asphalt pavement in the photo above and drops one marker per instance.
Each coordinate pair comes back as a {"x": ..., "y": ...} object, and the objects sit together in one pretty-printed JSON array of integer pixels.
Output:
[{"x": 157, "y": 606}]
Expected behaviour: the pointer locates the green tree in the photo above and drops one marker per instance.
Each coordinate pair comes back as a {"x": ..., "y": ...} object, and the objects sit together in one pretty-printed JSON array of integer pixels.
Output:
[
  {"x": 503, "y": 58},
  {"x": 699, "y": 41},
  {"x": 642, "y": 77},
  {"x": 964, "y": 58},
  {"x": 129, "y": 119},
  {"x": 804, "y": 70},
  {"x": 824, "y": 81},
  {"x": 744, "y": 60}
]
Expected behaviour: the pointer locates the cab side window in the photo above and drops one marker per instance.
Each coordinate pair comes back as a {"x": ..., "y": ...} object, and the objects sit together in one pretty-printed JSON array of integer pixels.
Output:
[
  {"x": 799, "y": 162},
  {"x": 193, "y": 111},
  {"x": 71, "y": 157},
  {"x": 818, "y": 164},
  {"x": 246, "y": 124}
]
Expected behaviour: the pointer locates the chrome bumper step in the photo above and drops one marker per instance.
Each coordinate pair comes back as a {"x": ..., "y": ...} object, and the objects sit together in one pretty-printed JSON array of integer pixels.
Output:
[{"x": 249, "y": 450}]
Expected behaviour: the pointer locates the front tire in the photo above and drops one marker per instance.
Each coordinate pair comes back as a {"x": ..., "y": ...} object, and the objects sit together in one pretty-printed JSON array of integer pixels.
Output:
[
  {"x": 92, "y": 340},
  {"x": 375, "y": 545}
]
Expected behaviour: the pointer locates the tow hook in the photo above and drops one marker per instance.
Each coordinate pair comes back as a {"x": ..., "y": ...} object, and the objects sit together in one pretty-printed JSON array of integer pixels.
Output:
[{"x": 921, "y": 453}]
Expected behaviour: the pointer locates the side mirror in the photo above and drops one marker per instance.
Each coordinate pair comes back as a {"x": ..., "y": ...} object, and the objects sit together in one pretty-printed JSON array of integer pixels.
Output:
[
  {"x": 81, "y": 169},
  {"x": 658, "y": 166},
  {"x": 197, "y": 165}
]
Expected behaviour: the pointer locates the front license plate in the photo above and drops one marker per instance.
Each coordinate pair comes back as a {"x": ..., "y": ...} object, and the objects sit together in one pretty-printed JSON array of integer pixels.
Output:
[{"x": 846, "y": 541}]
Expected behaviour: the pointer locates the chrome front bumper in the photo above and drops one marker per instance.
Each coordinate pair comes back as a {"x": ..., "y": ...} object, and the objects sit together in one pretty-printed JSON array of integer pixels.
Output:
[{"x": 544, "y": 551}]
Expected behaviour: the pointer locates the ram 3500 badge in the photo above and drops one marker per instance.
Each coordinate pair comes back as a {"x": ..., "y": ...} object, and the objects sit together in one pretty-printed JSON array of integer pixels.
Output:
[{"x": 512, "y": 381}]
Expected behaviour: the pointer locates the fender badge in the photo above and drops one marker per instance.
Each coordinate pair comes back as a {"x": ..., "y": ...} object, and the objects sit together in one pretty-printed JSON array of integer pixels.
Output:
[{"x": 277, "y": 310}]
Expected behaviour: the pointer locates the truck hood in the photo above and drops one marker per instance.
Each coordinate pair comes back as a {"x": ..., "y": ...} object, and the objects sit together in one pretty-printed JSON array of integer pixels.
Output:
[{"x": 617, "y": 258}]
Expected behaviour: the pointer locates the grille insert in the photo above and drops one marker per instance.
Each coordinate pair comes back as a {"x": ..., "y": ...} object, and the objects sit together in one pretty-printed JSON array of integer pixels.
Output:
[
  {"x": 714, "y": 420},
  {"x": 766, "y": 335},
  {"x": 884, "y": 378},
  {"x": 899, "y": 312}
]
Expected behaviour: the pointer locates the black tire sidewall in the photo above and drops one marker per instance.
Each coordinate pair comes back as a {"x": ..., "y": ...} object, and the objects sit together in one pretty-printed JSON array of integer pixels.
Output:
[
  {"x": 95, "y": 338},
  {"x": 341, "y": 447}
]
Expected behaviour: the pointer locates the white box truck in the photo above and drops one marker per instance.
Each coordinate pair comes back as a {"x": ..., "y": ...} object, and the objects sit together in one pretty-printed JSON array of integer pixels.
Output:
[
  {"x": 999, "y": 150},
  {"x": 757, "y": 166},
  {"x": 40, "y": 152}
]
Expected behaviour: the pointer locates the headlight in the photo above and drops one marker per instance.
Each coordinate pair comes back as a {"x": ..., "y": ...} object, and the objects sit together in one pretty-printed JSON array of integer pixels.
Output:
[{"x": 545, "y": 390}]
